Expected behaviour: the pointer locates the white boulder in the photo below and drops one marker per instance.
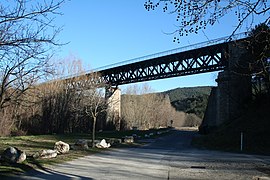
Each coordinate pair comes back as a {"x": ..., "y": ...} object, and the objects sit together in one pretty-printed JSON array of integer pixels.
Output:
[
  {"x": 46, "y": 154},
  {"x": 103, "y": 144},
  {"x": 61, "y": 147}
]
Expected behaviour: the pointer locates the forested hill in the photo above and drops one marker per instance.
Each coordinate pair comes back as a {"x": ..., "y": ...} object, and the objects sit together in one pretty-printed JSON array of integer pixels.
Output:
[
  {"x": 178, "y": 107},
  {"x": 190, "y": 99},
  {"x": 187, "y": 92}
]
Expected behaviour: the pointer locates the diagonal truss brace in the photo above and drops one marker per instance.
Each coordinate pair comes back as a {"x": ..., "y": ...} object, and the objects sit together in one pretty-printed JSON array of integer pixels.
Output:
[{"x": 205, "y": 59}]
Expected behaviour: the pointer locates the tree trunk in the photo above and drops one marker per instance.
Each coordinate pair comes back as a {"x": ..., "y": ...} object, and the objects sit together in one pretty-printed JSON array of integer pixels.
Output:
[{"x": 94, "y": 131}]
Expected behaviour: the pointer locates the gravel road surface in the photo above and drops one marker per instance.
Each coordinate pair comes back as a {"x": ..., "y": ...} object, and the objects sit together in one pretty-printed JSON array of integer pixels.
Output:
[{"x": 168, "y": 157}]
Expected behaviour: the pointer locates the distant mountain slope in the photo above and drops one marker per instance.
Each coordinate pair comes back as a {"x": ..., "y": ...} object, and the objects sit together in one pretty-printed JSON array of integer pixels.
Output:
[
  {"x": 187, "y": 92},
  {"x": 190, "y": 100},
  {"x": 185, "y": 106}
]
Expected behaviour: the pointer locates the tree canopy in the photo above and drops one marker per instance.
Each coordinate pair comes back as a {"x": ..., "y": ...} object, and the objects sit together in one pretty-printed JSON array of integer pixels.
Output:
[
  {"x": 193, "y": 16},
  {"x": 27, "y": 34},
  {"x": 27, "y": 39}
]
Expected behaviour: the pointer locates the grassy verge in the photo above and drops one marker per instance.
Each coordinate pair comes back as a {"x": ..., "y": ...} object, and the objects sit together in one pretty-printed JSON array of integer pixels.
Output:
[{"x": 32, "y": 144}]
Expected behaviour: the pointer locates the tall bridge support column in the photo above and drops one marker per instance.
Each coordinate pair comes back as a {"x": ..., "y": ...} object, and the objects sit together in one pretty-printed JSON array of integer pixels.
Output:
[
  {"x": 227, "y": 101},
  {"x": 233, "y": 93},
  {"x": 113, "y": 98}
]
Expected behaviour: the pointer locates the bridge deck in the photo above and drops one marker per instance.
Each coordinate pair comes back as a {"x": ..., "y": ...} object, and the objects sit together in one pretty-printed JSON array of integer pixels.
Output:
[
  {"x": 205, "y": 59},
  {"x": 194, "y": 59}
]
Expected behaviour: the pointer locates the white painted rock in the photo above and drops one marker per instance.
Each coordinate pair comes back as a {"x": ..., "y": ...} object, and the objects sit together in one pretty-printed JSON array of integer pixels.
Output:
[
  {"x": 61, "y": 147},
  {"x": 103, "y": 144},
  {"x": 46, "y": 154}
]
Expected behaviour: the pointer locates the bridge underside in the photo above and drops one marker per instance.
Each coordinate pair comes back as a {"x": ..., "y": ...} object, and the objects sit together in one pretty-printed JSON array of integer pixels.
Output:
[{"x": 206, "y": 59}]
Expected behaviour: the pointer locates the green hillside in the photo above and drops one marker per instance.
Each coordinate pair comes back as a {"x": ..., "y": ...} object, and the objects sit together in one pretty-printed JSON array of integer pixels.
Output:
[
  {"x": 190, "y": 100},
  {"x": 185, "y": 106},
  {"x": 188, "y": 92}
]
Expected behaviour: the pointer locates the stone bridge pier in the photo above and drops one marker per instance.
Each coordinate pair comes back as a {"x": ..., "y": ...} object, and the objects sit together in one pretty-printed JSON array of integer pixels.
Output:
[
  {"x": 228, "y": 100},
  {"x": 113, "y": 98}
]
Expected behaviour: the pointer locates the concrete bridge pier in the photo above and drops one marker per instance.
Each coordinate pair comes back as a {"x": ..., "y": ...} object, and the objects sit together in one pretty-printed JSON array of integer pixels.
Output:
[
  {"x": 113, "y": 98},
  {"x": 227, "y": 101},
  {"x": 232, "y": 96}
]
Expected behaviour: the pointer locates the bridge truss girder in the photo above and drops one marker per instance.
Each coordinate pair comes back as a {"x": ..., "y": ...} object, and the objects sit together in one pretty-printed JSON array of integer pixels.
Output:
[{"x": 202, "y": 60}]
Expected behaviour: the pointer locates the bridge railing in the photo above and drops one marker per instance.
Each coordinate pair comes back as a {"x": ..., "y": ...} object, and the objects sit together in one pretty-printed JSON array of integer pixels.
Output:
[
  {"x": 176, "y": 50},
  {"x": 168, "y": 52}
]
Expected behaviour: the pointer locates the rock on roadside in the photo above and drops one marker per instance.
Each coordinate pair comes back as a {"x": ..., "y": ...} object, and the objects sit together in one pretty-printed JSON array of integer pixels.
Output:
[
  {"x": 46, "y": 154},
  {"x": 128, "y": 139},
  {"x": 61, "y": 147},
  {"x": 103, "y": 144},
  {"x": 13, "y": 155},
  {"x": 80, "y": 144}
]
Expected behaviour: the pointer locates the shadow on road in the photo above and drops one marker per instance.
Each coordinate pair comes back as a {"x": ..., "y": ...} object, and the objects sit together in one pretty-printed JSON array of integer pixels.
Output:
[
  {"x": 46, "y": 174},
  {"x": 177, "y": 140}
]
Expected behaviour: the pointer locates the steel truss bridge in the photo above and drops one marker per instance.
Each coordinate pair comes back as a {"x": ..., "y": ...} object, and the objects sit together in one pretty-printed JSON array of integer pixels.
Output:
[{"x": 194, "y": 59}]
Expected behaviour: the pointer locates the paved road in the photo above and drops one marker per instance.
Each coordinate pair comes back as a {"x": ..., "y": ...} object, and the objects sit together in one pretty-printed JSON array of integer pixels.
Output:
[{"x": 169, "y": 157}]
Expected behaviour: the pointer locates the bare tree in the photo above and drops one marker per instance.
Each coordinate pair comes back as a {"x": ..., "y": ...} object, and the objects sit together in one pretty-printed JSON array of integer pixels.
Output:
[
  {"x": 135, "y": 108},
  {"x": 145, "y": 110},
  {"x": 90, "y": 97},
  {"x": 27, "y": 37},
  {"x": 93, "y": 99},
  {"x": 95, "y": 104},
  {"x": 193, "y": 16},
  {"x": 61, "y": 105},
  {"x": 163, "y": 111},
  {"x": 71, "y": 103}
]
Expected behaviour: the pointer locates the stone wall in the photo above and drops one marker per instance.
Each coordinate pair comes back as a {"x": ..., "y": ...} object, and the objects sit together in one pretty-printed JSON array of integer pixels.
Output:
[
  {"x": 228, "y": 100},
  {"x": 210, "y": 115}
]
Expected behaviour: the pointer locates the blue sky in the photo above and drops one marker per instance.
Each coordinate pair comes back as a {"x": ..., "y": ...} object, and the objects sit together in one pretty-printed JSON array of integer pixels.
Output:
[{"x": 105, "y": 32}]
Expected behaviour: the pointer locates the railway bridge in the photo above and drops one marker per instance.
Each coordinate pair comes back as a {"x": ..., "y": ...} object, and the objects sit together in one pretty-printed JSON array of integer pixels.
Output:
[{"x": 225, "y": 101}]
